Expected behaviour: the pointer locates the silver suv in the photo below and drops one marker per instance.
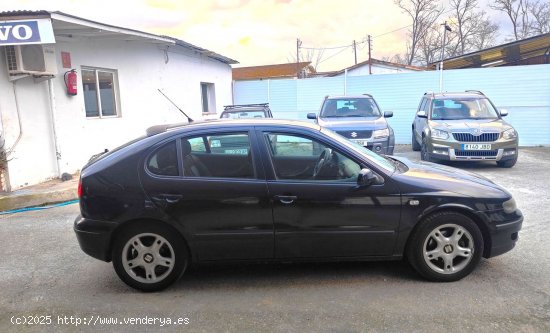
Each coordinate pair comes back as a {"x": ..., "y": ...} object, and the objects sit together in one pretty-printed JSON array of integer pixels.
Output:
[
  {"x": 359, "y": 119},
  {"x": 463, "y": 127}
]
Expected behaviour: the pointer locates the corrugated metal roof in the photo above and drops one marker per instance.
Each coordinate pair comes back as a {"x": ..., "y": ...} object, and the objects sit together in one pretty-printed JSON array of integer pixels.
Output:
[
  {"x": 56, "y": 15},
  {"x": 269, "y": 71},
  {"x": 501, "y": 55}
]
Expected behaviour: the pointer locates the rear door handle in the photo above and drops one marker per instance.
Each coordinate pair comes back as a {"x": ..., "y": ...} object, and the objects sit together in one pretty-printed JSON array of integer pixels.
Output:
[
  {"x": 286, "y": 199},
  {"x": 168, "y": 198}
]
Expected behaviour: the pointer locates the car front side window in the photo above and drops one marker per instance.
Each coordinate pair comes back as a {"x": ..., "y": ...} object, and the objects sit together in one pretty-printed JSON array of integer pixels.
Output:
[{"x": 296, "y": 157}]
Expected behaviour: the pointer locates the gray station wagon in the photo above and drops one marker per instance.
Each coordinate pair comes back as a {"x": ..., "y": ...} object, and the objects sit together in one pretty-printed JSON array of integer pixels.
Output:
[{"x": 463, "y": 127}]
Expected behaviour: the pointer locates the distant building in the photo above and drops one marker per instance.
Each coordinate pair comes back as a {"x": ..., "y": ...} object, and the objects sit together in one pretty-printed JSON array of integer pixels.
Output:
[
  {"x": 530, "y": 51},
  {"x": 277, "y": 71},
  {"x": 376, "y": 67},
  {"x": 53, "y": 120}
]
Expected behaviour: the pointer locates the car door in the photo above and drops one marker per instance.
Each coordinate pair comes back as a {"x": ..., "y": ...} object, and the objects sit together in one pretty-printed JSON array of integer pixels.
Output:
[
  {"x": 216, "y": 192},
  {"x": 328, "y": 216}
]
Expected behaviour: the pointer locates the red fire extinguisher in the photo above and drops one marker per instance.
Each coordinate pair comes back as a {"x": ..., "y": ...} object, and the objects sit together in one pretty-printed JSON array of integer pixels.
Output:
[{"x": 70, "y": 82}]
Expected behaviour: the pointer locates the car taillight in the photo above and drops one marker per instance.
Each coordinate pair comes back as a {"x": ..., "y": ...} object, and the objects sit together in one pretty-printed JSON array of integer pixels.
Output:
[{"x": 79, "y": 191}]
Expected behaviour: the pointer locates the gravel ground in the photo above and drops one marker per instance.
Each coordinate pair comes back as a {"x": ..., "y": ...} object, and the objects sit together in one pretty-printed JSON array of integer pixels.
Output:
[{"x": 43, "y": 272}]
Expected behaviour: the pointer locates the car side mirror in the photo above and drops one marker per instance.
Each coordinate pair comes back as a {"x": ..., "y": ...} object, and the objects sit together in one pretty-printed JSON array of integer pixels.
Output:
[
  {"x": 421, "y": 114},
  {"x": 503, "y": 112},
  {"x": 388, "y": 114},
  {"x": 311, "y": 116},
  {"x": 366, "y": 178}
]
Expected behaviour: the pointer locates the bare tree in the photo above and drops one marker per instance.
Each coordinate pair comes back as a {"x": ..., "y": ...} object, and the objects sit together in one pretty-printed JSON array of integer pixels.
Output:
[
  {"x": 430, "y": 45},
  {"x": 540, "y": 13},
  {"x": 518, "y": 13},
  {"x": 472, "y": 29},
  {"x": 315, "y": 56},
  {"x": 424, "y": 13},
  {"x": 486, "y": 35}
]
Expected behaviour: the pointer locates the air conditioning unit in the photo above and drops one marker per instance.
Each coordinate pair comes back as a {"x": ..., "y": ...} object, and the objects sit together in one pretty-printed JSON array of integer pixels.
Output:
[{"x": 33, "y": 59}]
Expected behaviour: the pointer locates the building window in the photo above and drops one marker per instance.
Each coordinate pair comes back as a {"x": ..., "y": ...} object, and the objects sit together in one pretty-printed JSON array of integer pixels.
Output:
[
  {"x": 100, "y": 92},
  {"x": 208, "y": 97}
]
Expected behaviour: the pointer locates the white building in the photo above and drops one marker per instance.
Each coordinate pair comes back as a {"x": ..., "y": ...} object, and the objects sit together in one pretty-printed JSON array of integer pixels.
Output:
[
  {"x": 47, "y": 132},
  {"x": 376, "y": 67}
]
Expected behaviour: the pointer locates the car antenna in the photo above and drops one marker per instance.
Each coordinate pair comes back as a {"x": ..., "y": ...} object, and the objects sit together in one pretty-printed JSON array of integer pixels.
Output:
[{"x": 189, "y": 119}]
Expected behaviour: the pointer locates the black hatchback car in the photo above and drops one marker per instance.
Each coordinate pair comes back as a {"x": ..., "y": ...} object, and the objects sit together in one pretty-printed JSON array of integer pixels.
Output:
[{"x": 290, "y": 191}]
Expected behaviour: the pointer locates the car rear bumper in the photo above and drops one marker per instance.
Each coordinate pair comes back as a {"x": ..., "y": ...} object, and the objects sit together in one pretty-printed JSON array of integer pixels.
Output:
[
  {"x": 94, "y": 237},
  {"x": 504, "y": 237}
]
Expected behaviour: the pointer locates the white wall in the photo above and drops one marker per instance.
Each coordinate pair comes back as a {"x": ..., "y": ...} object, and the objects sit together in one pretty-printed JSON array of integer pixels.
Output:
[{"x": 141, "y": 71}]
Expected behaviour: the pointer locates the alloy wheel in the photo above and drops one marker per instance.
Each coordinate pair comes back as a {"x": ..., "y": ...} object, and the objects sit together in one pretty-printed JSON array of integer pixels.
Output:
[{"x": 448, "y": 249}]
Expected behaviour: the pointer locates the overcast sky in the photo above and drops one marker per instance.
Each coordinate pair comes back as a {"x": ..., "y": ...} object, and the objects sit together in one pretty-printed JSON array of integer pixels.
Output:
[{"x": 257, "y": 32}]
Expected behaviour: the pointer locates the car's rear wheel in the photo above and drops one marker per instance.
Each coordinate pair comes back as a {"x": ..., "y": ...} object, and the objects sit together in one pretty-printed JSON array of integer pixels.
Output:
[
  {"x": 424, "y": 154},
  {"x": 445, "y": 247},
  {"x": 149, "y": 256},
  {"x": 508, "y": 163},
  {"x": 414, "y": 142}
]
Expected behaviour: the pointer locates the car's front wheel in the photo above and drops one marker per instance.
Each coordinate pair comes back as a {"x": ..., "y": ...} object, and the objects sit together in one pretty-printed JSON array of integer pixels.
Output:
[
  {"x": 508, "y": 163},
  {"x": 424, "y": 153},
  {"x": 445, "y": 247},
  {"x": 414, "y": 142},
  {"x": 149, "y": 256}
]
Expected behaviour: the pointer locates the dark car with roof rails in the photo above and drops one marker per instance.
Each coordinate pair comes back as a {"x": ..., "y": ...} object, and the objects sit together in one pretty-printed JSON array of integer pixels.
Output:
[
  {"x": 463, "y": 127},
  {"x": 244, "y": 111},
  {"x": 294, "y": 192}
]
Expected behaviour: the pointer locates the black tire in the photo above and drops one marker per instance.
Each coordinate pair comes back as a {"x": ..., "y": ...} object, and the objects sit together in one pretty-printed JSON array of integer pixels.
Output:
[
  {"x": 172, "y": 247},
  {"x": 447, "y": 224},
  {"x": 414, "y": 142},
  {"x": 508, "y": 163},
  {"x": 424, "y": 154}
]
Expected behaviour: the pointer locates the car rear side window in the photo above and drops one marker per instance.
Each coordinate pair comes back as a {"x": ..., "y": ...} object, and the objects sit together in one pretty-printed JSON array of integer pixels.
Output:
[
  {"x": 225, "y": 155},
  {"x": 164, "y": 161}
]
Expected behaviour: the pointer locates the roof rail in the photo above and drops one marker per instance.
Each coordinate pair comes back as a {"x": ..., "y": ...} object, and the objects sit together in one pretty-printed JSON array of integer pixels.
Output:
[
  {"x": 429, "y": 93},
  {"x": 368, "y": 95},
  {"x": 244, "y": 105},
  {"x": 475, "y": 91}
]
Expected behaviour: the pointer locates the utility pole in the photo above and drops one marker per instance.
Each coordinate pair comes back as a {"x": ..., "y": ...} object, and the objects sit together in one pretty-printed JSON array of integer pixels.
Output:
[
  {"x": 445, "y": 29},
  {"x": 369, "y": 40},
  {"x": 355, "y": 51},
  {"x": 298, "y": 43}
]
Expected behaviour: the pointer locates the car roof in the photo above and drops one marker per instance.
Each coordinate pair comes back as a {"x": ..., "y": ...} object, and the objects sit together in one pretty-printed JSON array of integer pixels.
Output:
[
  {"x": 157, "y": 129},
  {"x": 456, "y": 95},
  {"x": 348, "y": 96}
]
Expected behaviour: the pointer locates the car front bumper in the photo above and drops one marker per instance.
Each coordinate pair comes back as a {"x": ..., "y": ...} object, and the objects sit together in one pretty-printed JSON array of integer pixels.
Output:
[
  {"x": 94, "y": 237},
  {"x": 383, "y": 146},
  {"x": 504, "y": 234},
  {"x": 501, "y": 150}
]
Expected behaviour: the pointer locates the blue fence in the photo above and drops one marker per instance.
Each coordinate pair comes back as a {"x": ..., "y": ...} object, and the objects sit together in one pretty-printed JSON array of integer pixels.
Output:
[{"x": 523, "y": 90}]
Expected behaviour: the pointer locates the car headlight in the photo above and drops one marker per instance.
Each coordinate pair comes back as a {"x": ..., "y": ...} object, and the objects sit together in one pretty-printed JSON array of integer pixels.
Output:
[
  {"x": 509, "y": 206},
  {"x": 439, "y": 134},
  {"x": 510, "y": 134},
  {"x": 383, "y": 133}
]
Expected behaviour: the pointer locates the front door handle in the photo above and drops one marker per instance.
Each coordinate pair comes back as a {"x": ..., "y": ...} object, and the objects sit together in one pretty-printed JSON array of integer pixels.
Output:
[{"x": 286, "y": 199}]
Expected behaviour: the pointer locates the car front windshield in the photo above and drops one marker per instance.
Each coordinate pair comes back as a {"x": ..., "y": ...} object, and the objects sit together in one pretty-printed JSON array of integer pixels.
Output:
[
  {"x": 373, "y": 157},
  {"x": 244, "y": 114},
  {"x": 462, "y": 108},
  {"x": 349, "y": 107}
]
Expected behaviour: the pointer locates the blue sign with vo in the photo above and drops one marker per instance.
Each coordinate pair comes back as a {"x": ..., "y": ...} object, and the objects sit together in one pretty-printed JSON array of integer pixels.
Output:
[{"x": 19, "y": 32}]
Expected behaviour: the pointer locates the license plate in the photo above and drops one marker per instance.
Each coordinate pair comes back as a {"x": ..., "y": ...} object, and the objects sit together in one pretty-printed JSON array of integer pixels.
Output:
[
  {"x": 360, "y": 142},
  {"x": 476, "y": 146}
]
